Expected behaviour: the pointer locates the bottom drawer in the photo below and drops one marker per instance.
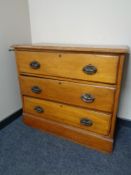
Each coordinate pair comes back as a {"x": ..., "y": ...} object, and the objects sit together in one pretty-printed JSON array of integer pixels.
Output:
[{"x": 78, "y": 117}]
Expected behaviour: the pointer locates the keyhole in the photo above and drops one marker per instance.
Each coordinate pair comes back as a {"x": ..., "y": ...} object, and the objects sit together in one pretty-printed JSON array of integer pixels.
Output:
[
  {"x": 60, "y": 82},
  {"x": 60, "y": 55}
]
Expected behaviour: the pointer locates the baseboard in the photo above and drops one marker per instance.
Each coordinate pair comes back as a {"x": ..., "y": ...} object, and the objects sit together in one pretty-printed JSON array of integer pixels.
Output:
[
  {"x": 124, "y": 122},
  {"x": 10, "y": 118}
]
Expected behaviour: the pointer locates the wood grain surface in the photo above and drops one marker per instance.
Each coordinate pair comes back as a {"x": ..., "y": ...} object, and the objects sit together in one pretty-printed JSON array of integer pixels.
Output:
[
  {"x": 69, "y": 92},
  {"x": 68, "y": 115},
  {"x": 70, "y": 65}
]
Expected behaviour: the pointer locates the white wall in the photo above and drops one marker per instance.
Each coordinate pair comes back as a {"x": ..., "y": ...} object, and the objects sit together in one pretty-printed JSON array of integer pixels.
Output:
[
  {"x": 86, "y": 22},
  {"x": 14, "y": 28}
]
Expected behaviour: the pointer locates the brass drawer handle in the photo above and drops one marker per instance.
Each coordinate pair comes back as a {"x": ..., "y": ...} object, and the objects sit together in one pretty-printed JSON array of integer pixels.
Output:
[
  {"x": 39, "y": 109},
  {"x": 35, "y": 65},
  {"x": 86, "y": 122},
  {"x": 90, "y": 69},
  {"x": 36, "y": 90},
  {"x": 88, "y": 98}
]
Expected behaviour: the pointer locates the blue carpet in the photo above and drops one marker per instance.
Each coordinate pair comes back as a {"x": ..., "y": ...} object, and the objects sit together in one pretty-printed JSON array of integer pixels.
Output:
[{"x": 27, "y": 151}]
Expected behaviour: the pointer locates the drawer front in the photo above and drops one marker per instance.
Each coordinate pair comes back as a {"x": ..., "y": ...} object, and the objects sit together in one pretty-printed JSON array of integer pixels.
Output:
[
  {"x": 90, "y": 96},
  {"x": 91, "y": 67},
  {"x": 78, "y": 117}
]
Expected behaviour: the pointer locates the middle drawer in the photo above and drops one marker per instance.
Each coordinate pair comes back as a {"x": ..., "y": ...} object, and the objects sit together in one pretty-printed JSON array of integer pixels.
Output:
[{"x": 84, "y": 95}]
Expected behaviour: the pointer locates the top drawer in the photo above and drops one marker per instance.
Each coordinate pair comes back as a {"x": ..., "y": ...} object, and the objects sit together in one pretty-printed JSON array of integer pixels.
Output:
[{"x": 90, "y": 67}]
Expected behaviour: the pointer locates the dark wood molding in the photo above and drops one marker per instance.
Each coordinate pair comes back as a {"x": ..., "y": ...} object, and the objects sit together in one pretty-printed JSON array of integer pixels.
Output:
[
  {"x": 123, "y": 122},
  {"x": 10, "y": 118}
]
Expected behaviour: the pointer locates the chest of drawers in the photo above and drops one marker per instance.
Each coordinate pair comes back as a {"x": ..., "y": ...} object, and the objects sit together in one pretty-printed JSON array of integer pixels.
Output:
[{"x": 71, "y": 91}]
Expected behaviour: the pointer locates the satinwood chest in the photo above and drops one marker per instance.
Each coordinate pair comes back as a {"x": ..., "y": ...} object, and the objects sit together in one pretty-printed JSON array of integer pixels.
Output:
[{"x": 71, "y": 91}]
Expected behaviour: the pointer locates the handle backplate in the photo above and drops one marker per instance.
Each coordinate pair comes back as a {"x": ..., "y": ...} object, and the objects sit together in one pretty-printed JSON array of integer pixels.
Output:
[
  {"x": 35, "y": 65},
  {"x": 39, "y": 109},
  {"x": 90, "y": 69},
  {"x": 86, "y": 122},
  {"x": 88, "y": 98},
  {"x": 36, "y": 90}
]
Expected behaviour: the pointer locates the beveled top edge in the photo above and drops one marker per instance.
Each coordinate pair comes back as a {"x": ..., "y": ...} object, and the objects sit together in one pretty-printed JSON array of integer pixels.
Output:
[{"x": 74, "y": 47}]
